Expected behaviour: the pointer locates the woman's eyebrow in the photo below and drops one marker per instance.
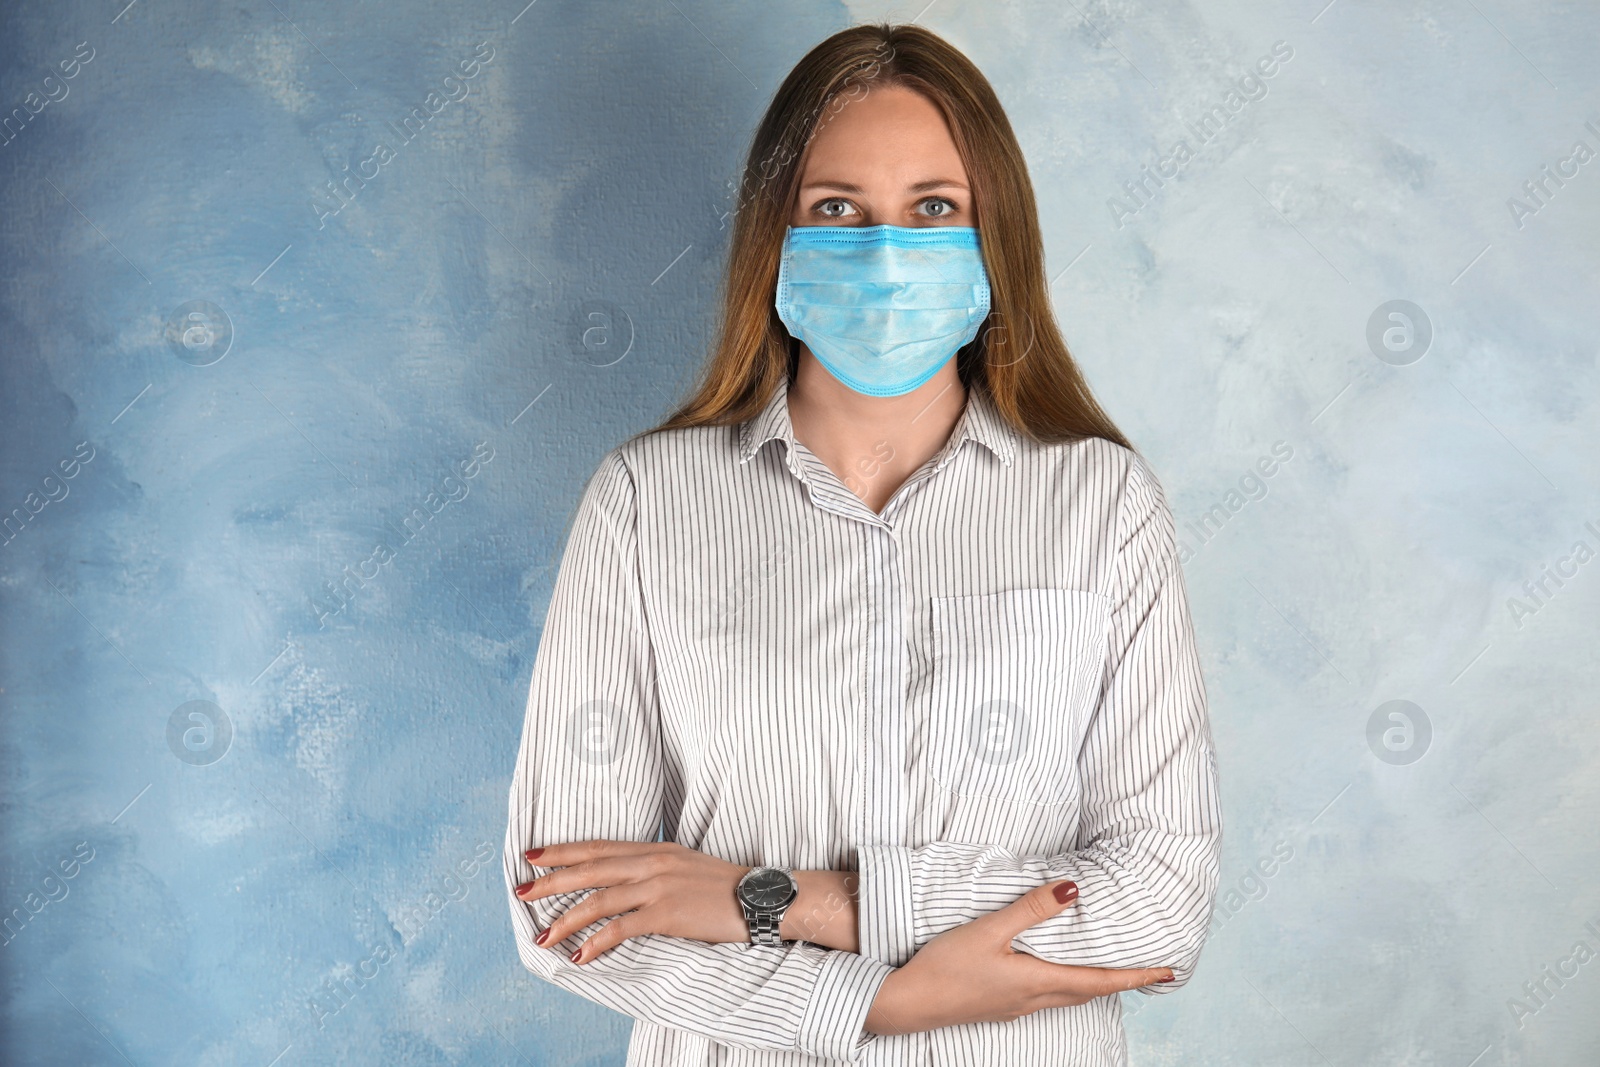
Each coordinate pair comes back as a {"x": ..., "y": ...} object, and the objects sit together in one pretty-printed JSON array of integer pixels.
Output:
[{"x": 917, "y": 187}]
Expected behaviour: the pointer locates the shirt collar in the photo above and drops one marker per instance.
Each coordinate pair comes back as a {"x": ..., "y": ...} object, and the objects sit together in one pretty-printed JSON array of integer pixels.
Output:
[{"x": 980, "y": 421}]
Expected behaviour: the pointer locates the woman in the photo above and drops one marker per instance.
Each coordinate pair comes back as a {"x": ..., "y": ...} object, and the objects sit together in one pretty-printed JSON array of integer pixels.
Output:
[{"x": 882, "y": 633}]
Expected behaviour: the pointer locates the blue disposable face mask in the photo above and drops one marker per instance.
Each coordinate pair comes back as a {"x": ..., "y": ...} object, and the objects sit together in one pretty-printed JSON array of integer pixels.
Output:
[{"x": 882, "y": 307}]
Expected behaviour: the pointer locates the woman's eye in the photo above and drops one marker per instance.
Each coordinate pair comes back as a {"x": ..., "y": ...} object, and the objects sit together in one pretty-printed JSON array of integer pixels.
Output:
[
  {"x": 834, "y": 208},
  {"x": 938, "y": 207}
]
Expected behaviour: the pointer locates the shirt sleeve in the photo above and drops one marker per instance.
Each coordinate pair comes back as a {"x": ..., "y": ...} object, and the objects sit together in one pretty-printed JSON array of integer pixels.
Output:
[
  {"x": 1146, "y": 855},
  {"x": 591, "y": 766}
]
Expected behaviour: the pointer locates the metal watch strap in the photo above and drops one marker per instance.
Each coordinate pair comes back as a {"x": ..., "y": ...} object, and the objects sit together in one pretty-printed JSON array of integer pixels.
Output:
[
  {"x": 764, "y": 928},
  {"x": 764, "y": 924}
]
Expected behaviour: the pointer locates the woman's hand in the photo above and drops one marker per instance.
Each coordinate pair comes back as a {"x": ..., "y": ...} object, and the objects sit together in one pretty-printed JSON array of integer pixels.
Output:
[
  {"x": 653, "y": 887},
  {"x": 970, "y": 974}
]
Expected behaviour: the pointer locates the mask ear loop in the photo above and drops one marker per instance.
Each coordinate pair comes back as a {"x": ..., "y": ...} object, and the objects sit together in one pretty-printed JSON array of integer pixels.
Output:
[
  {"x": 793, "y": 345},
  {"x": 967, "y": 360}
]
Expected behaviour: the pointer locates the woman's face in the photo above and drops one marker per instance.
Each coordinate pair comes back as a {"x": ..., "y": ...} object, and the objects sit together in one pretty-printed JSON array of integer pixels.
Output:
[{"x": 884, "y": 157}]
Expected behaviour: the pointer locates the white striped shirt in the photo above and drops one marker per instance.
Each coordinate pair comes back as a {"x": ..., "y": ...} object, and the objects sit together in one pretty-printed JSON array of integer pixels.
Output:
[{"x": 991, "y": 685}]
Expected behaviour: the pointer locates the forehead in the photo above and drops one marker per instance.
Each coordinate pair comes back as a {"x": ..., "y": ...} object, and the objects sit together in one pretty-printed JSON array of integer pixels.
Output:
[{"x": 888, "y": 131}]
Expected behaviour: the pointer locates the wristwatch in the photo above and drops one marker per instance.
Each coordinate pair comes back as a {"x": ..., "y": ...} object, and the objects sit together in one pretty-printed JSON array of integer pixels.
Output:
[{"x": 765, "y": 893}]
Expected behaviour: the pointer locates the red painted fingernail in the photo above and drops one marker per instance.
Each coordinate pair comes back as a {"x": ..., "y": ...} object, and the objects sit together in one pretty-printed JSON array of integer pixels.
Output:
[
  {"x": 1168, "y": 978},
  {"x": 1066, "y": 891},
  {"x": 524, "y": 887},
  {"x": 575, "y": 955},
  {"x": 544, "y": 935},
  {"x": 533, "y": 854}
]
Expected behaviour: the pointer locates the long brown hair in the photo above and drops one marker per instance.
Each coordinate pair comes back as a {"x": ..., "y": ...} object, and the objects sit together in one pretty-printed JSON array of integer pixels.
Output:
[{"x": 1019, "y": 356}]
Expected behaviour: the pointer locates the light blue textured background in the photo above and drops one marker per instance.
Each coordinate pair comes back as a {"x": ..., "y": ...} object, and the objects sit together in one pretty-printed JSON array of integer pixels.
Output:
[{"x": 587, "y": 170}]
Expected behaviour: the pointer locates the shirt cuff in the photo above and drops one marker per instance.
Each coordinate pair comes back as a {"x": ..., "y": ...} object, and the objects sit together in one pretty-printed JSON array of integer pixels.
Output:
[
  {"x": 834, "y": 1025},
  {"x": 886, "y": 919}
]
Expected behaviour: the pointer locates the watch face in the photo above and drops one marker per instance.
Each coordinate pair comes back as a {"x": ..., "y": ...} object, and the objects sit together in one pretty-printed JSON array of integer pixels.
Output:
[{"x": 767, "y": 888}]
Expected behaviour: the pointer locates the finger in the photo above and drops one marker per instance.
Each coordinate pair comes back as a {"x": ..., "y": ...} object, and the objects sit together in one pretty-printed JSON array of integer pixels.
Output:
[
  {"x": 565, "y": 855},
  {"x": 1071, "y": 984},
  {"x": 591, "y": 909},
  {"x": 590, "y": 874},
  {"x": 1032, "y": 908},
  {"x": 1156, "y": 976},
  {"x": 609, "y": 936},
  {"x": 1121, "y": 980}
]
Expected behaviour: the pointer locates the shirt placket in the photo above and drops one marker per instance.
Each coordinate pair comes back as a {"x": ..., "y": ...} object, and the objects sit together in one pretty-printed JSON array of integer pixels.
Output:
[
  {"x": 884, "y": 816},
  {"x": 885, "y": 722},
  {"x": 881, "y": 816}
]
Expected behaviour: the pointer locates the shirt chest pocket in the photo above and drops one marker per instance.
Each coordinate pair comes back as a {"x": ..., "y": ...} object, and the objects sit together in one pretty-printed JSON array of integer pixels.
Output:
[{"x": 1016, "y": 676}]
